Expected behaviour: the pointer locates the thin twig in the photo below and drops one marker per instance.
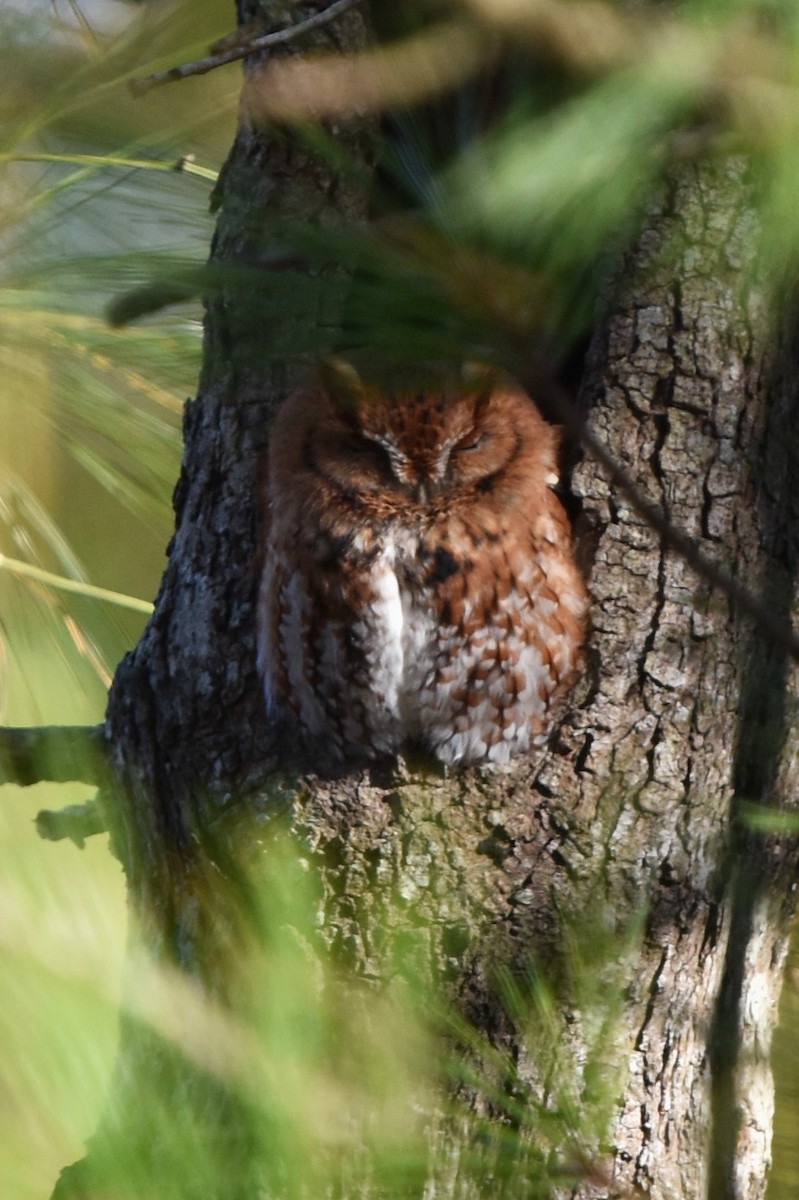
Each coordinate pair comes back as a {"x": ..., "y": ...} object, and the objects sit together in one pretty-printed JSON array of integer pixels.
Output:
[
  {"x": 252, "y": 45},
  {"x": 56, "y": 753},
  {"x": 775, "y": 628}
]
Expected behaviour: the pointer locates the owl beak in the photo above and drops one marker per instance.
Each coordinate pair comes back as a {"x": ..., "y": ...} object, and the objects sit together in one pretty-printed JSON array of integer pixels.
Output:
[{"x": 421, "y": 493}]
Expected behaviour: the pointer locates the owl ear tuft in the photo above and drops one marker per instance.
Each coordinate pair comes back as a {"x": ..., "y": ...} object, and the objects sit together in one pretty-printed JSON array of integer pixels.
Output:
[{"x": 340, "y": 380}]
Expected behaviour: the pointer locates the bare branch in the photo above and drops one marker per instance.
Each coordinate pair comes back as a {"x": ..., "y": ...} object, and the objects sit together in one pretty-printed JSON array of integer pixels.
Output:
[
  {"x": 242, "y": 49},
  {"x": 775, "y": 628},
  {"x": 55, "y": 753},
  {"x": 76, "y": 822}
]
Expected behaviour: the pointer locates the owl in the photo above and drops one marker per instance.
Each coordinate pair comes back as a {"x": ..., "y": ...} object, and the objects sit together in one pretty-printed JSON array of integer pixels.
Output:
[{"x": 417, "y": 582}]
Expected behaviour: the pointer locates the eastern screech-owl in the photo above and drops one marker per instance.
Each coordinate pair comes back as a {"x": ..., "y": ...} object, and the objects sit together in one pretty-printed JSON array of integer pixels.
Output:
[{"x": 418, "y": 584}]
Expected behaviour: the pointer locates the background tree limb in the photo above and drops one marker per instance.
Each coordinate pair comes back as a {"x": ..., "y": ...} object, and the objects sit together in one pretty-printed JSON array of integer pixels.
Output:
[{"x": 55, "y": 753}]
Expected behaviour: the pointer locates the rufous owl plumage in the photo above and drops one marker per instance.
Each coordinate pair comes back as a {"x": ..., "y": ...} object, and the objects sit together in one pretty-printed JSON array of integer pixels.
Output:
[{"x": 418, "y": 584}]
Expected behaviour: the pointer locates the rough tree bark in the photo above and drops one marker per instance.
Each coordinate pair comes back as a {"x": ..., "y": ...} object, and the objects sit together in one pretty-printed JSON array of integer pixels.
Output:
[{"x": 632, "y": 817}]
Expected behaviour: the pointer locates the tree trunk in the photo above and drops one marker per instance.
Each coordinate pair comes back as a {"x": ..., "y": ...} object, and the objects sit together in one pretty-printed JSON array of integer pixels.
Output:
[{"x": 611, "y": 884}]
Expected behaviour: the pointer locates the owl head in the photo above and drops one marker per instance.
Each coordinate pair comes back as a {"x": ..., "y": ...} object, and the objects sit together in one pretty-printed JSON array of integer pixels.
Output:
[{"x": 427, "y": 447}]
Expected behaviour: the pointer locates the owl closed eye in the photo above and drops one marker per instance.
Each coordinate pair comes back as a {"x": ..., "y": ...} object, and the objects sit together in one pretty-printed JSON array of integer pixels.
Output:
[{"x": 418, "y": 584}]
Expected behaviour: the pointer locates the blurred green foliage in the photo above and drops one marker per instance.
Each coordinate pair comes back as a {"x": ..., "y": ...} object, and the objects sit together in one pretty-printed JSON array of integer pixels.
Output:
[
  {"x": 90, "y": 204},
  {"x": 89, "y": 454}
]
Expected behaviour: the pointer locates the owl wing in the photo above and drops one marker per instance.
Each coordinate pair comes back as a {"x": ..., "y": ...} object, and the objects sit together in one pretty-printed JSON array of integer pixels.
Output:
[
  {"x": 509, "y": 611},
  {"x": 330, "y": 624}
]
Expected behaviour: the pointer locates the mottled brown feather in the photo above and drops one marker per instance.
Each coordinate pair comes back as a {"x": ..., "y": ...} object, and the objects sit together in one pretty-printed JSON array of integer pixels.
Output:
[{"x": 418, "y": 582}]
